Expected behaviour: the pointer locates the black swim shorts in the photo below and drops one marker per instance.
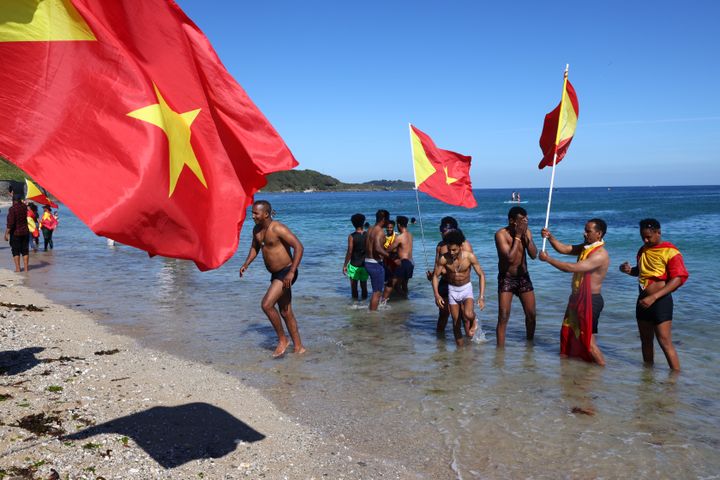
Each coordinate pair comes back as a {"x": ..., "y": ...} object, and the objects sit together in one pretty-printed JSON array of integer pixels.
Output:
[
  {"x": 514, "y": 284},
  {"x": 19, "y": 245},
  {"x": 659, "y": 312},
  {"x": 404, "y": 270},
  {"x": 281, "y": 274},
  {"x": 597, "y": 304}
]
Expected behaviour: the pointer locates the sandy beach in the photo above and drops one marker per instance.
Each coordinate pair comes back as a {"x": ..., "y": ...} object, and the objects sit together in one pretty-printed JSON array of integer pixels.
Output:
[{"x": 80, "y": 401}]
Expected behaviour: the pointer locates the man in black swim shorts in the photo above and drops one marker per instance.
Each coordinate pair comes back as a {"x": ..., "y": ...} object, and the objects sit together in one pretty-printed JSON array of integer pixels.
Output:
[
  {"x": 660, "y": 270},
  {"x": 282, "y": 252},
  {"x": 513, "y": 243},
  {"x": 589, "y": 273}
]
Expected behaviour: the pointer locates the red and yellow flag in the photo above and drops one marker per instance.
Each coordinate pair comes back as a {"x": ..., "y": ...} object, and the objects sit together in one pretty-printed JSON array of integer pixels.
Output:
[
  {"x": 442, "y": 174},
  {"x": 124, "y": 111},
  {"x": 559, "y": 127},
  {"x": 32, "y": 192}
]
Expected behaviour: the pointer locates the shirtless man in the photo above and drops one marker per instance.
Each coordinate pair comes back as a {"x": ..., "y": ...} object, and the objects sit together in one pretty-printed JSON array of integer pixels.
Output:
[
  {"x": 512, "y": 244},
  {"x": 375, "y": 254},
  {"x": 597, "y": 264},
  {"x": 403, "y": 245},
  {"x": 455, "y": 265},
  {"x": 275, "y": 241},
  {"x": 447, "y": 225},
  {"x": 660, "y": 270}
]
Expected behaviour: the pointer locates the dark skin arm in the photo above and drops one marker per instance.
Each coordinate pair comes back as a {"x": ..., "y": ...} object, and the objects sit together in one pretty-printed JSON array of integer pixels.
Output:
[
  {"x": 670, "y": 286},
  {"x": 528, "y": 242},
  {"x": 587, "y": 265},
  {"x": 254, "y": 249},
  {"x": 348, "y": 254},
  {"x": 560, "y": 247},
  {"x": 512, "y": 250},
  {"x": 379, "y": 246},
  {"x": 632, "y": 271},
  {"x": 429, "y": 273},
  {"x": 439, "y": 270}
]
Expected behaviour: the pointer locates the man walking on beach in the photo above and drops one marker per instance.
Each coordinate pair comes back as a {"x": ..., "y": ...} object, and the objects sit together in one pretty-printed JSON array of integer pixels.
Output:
[
  {"x": 403, "y": 245},
  {"x": 583, "y": 311},
  {"x": 513, "y": 243},
  {"x": 660, "y": 270},
  {"x": 275, "y": 240},
  {"x": 375, "y": 254},
  {"x": 17, "y": 232},
  {"x": 455, "y": 266}
]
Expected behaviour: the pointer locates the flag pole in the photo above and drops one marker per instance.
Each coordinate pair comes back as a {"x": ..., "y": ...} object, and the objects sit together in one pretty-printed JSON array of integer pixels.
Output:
[
  {"x": 417, "y": 198},
  {"x": 557, "y": 137}
]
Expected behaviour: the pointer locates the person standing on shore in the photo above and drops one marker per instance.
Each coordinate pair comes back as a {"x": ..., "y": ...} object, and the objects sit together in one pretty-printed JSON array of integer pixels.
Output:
[
  {"x": 33, "y": 226},
  {"x": 660, "y": 270},
  {"x": 588, "y": 274},
  {"x": 375, "y": 254},
  {"x": 275, "y": 240},
  {"x": 353, "y": 266},
  {"x": 455, "y": 266},
  {"x": 513, "y": 244},
  {"x": 17, "y": 232},
  {"x": 403, "y": 245},
  {"x": 48, "y": 223}
]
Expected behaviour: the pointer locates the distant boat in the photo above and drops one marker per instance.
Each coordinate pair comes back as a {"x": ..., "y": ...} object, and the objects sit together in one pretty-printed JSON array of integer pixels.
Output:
[
  {"x": 309, "y": 190},
  {"x": 515, "y": 201}
]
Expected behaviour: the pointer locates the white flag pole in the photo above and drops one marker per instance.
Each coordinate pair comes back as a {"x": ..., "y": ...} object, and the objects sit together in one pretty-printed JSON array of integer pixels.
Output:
[
  {"x": 557, "y": 138},
  {"x": 417, "y": 198}
]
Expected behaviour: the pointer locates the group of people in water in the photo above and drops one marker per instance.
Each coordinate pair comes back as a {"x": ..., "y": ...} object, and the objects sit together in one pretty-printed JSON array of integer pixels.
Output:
[
  {"x": 24, "y": 224},
  {"x": 384, "y": 256}
]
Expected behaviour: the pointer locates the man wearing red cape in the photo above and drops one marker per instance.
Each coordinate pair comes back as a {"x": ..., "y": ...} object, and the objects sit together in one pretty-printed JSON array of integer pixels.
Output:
[{"x": 577, "y": 335}]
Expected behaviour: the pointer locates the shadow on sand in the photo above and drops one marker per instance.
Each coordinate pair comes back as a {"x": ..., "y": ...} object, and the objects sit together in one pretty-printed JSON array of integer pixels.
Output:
[
  {"x": 13, "y": 362},
  {"x": 173, "y": 436}
]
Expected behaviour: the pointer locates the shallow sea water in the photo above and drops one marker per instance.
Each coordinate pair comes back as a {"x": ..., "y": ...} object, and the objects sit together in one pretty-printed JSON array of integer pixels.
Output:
[{"x": 385, "y": 383}]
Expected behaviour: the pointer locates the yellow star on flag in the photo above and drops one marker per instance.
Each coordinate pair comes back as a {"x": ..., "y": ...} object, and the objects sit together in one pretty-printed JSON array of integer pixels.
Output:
[
  {"x": 449, "y": 179},
  {"x": 177, "y": 128}
]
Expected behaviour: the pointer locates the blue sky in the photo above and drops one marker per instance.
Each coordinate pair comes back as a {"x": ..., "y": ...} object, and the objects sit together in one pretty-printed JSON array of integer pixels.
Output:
[{"x": 341, "y": 80}]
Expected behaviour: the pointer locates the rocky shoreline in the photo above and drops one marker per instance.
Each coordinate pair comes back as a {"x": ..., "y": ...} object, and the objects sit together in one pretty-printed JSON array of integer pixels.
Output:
[{"x": 79, "y": 402}]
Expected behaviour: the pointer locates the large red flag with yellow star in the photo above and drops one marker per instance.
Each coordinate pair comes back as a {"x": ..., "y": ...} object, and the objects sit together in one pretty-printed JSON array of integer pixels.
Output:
[
  {"x": 123, "y": 111},
  {"x": 442, "y": 174}
]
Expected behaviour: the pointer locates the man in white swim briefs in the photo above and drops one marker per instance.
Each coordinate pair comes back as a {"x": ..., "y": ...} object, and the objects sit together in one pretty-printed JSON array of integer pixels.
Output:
[{"x": 455, "y": 265}]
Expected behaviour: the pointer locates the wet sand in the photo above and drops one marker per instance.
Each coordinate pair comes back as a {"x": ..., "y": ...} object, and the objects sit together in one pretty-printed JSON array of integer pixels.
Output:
[{"x": 86, "y": 403}]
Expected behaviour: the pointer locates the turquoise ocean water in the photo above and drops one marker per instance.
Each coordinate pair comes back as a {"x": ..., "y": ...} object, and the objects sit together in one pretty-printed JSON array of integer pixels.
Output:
[{"x": 384, "y": 383}]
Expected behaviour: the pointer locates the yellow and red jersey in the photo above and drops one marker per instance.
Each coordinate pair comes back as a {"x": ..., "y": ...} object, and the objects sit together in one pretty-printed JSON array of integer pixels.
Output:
[{"x": 660, "y": 262}]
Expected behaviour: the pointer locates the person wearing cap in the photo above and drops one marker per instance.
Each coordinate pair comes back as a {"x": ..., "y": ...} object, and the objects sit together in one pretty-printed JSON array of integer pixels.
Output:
[
  {"x": 17, "y": 232},
  {"x": 513, "y": 243}
]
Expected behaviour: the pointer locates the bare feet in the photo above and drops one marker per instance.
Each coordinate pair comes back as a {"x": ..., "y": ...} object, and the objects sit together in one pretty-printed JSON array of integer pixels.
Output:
[
  {"x": 281, "y": 347},
  {"x": 474, "y": 328},
  {"x": 299, "y": 350}
]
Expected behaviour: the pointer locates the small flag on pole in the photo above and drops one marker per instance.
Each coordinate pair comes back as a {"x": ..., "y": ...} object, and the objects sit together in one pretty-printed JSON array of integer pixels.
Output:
[
  {"x": 559, "y": 127},
  {"x": 36, "y": 195},
  {"x": 442, "y": 174}
]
